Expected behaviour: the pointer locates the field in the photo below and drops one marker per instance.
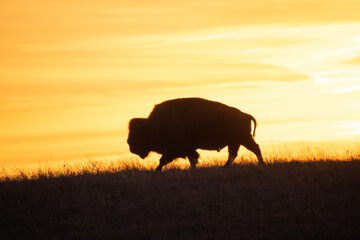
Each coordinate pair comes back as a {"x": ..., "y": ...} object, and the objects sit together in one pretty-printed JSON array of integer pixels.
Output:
[{"x": 292, "y": 199}]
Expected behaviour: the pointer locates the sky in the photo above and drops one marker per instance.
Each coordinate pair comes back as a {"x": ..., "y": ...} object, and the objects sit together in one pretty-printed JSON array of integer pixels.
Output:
[{"x": 73, "y": 73}]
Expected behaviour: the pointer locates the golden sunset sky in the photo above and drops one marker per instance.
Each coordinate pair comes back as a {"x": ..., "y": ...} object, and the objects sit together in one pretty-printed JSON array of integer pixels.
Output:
[{"x": 72, "y": 73}]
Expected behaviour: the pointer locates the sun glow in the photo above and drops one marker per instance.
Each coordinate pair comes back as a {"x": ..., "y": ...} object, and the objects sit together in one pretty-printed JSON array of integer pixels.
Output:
[{"x": 352, "y": 127}]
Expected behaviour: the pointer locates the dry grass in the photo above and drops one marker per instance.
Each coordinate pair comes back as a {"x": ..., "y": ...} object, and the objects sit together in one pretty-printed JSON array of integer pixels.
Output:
[
  {"x": 289, "y": 198},
  {"x": 300, "y": 152}
]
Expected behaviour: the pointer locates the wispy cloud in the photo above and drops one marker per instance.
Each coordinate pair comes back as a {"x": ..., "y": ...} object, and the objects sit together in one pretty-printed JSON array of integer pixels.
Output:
[{"x": 355, "y": 60}]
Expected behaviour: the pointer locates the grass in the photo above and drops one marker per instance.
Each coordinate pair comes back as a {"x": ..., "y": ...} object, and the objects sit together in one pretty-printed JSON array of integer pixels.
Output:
[
  {"x": 286, "y": 199},
  {"x": 298, "y": 200},
  {"x": 274, "y": 153}
]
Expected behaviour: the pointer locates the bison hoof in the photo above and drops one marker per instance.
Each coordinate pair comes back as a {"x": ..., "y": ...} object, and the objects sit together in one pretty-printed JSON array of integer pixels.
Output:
[{"x": 226, "y": 165}]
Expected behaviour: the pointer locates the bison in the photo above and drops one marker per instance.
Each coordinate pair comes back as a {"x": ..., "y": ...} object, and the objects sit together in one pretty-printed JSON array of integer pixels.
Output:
[{"x": 177, "y": 128}]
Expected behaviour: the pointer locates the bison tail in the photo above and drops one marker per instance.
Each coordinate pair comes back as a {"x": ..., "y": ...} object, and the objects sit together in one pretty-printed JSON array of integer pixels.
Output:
[{"x": 254, "y": 120}]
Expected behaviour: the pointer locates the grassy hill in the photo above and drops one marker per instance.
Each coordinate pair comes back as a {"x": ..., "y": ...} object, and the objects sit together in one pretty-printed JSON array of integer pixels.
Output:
[{"x": 288, "y": 200}]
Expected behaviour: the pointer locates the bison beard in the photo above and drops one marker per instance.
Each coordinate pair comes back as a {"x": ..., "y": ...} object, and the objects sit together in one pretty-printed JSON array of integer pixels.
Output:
[{"x": 177, "y": 128}]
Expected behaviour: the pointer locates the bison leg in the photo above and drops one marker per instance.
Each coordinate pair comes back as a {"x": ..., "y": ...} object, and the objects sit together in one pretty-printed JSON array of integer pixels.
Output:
[
  {"x": 161, "y": 164},
  {"x": 233, "y": 151},
  {"x": 254, "y": 147},
  {"x": 193, "y": 158},
  {"x": 163, "y": 161}
]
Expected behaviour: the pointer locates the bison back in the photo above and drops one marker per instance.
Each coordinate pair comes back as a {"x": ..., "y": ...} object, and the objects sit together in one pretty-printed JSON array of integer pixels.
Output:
[{"x": 193, "y": 123}]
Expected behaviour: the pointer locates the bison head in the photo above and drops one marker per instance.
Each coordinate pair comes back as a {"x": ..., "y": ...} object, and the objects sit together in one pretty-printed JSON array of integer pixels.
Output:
[{"x": 138, "y": 137}]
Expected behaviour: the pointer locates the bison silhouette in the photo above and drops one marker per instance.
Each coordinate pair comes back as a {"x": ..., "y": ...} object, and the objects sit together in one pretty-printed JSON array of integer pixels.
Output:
[{"x": 177, "y": 128}]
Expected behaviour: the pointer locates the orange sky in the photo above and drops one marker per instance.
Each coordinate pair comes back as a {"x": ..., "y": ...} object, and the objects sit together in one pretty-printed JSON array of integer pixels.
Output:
[{"x": 73, "y": 73}]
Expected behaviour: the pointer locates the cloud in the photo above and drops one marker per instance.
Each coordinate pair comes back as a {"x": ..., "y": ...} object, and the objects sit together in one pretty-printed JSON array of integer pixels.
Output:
[
  {"x": 249, "y": 72},
  {"x": 355, "y": 61}
]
